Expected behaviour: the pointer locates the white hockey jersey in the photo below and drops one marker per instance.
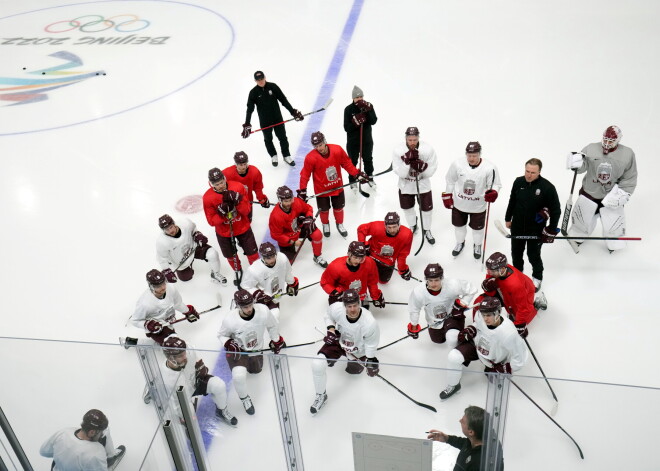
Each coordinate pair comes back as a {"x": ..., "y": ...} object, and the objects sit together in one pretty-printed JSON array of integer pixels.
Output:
[
  {"x": 438, "y": 307},
  {"x": 407, "y": 175},
  {"x": 250, "y": 334},
  {"x": 360, "y": 337},
  {"x": 177, "y": 253},
  {"x": 148, "y": 306},
  {"x": 74, "y": 454},
  {"x": 501, "y": 344},
  {"x": 271, "y": 280},
  {"x": 468, "y": 185}
]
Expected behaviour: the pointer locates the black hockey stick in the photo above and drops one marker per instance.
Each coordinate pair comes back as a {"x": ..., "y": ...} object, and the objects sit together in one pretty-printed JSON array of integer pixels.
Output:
[
  {"x": 234, "y": 256},
  {"x": 420, "y": 404},
  {"x": 389, "y": 169},
  {"x": 399, "y": 340},
  {"x": 295, "y": 255},
  {"x": 269, "y": 203},
  {"x": 176, "y": 321},
  {"x": 279, "y": 295},
  {"x": 325, "y": 107},
  {"x": 389, "y": 302},
  {"x": 556, "y": 405},
  {"x": 291, "y": 346},
  {"x": 548, "y": 416},
  {"x": 567, "y": 214},
  {"x": 483, "y": 251},
  {"x": 421, "y": 220},
  {"x": 506, "y": 234},
  {"x": 416, "y": 279}
]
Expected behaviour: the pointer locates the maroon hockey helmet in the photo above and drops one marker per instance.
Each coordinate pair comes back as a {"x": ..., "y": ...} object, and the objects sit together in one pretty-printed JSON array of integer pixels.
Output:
[
  {"x": 173, "y": 345},
  {"x": 496, "y": 261},
  {"x": 350, "y": 296},
  {"x": 473, "y": 147},
  {"x": 490, "y": 304},
  {"x": 155, "y": 277},
  {"x": 412, "y": 131},
  {"x": 243, "y": 297},
  {"x": 240, "y": 157},
  {"x": 216, "y": 175},
  {"x": 267, "y": 249},
  {"x": 357, "y": 249},
  {"x": 284, "y": 193},
  {"x": 611, "y": 138},
  {"x": 392, "y": 218},
  {"x": 165, "y": 221},
  {"x": 433, "y": 270},
  {"x": 317, "y": 138},
  {"x": 94, "y": 419}
]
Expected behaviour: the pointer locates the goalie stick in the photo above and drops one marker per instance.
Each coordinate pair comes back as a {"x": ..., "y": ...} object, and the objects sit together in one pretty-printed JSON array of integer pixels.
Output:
[
  {"x": 567, "y": 214},
  {"x": 325, "y": 107}
]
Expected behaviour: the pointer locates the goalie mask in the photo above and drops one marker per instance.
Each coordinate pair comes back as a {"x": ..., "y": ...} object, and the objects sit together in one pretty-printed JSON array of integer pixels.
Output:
[{"x": 611, "y": 138}]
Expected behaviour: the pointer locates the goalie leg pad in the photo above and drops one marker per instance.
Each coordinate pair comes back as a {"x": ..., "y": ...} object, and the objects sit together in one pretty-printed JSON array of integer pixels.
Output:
[
  {"x": 584, "y": 217},
  {"x": 614, "y": 225}
]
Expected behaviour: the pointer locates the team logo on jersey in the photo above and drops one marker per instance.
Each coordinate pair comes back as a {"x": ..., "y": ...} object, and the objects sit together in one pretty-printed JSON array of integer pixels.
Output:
[
  {"x": 295, "y": 227},
  {"x": 484, "y": 346},
  {"x": 331, "y": 173},
  {"x": 439, "y": 312},
  {"x": 469, "y": 187},
  {"x": 356, "y": 285},
  {"x": 386, "y": 251},
  {"x": 251, "y": 340},
  {"x": 270, "y": 92},
  {"x": 348, "y": 343},
  {"x": 537, "y": 192},
  {"x": 274, "y": 284},
  {"x": 604, "y": 173}
]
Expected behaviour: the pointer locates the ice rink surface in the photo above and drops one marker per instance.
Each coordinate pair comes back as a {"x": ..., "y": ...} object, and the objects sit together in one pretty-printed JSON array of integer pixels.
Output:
[{"x": 125, "y": 129}]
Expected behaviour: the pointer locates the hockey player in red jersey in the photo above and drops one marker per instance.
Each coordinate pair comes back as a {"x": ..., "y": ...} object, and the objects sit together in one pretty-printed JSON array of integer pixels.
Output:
[
  {"x": 291, "y": 222},
  {"x": 323, "y": 165},
  {"x": 250, "y": 177},
  {"x": 355, "y": 271},
  {"x": 515, "y": 290},
  {"x": 226, "y": 206},
  {"x": 388, "y": 242}
]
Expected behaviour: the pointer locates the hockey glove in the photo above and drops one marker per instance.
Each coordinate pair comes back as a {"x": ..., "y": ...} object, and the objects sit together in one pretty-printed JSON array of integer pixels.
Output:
[
  {"x": 232, "y": 197},
  {"x": 359, "y": 119},
  {"x": 233, "y": 349},
  {"x": 448, "y": 200},
  {"x": 307, "y": 227},
  {"x": 364, "y": 106},
  {"x": 380, "y": 302},
  {"x": 418, "y": 165},
  {"x": 332, "y": 338},
  {"x": 153, "y": 326},
  {"x": 548, "y": 235},
  {"x": 264, "y": 202},
  {"x": 261, "y": 297},
  {"x": 201, "y": 369},
  {"x": 458, "y": 309},
  {"x": 292, "y": 289},
  {"x": 277, "y": 346},
  {"x": 542, "y": 216},
  {"x": 200, "y": 238},
  {"x": 500, "y": 368},
  {"x": 362, "y": 177},
  {"x": 372, "y": 366},
  {"x": 191, "y": 315},
  {"x": 490, "y": 196},
  {"x": 467, "y": 334},
  {"x": 410, "y": 156},
  {"x": 247, "y": 129},
  {"x": 413, "y": 330},
  {"x": 297, "y": 115},
  {"x": 489, "y": 285},
  {"x": 302, "y": 194},
  {"x": 334, "y": 297},
  {"x": 169, "y": 275},
  {"x": 574, "y": 160},
  {"x": 226, "y": 210},
  {"x": 522, "y": 330},
  {"x": 406, "y": 275}
]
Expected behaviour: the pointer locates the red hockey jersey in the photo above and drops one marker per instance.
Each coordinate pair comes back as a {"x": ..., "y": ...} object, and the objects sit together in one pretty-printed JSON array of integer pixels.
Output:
[
  {"x": 284, "y": 226},
  {"x": 252, "y": 180},
  {"x": 517, "y": 294},
  {"x": 338, "y": 277},
  {"x": 385, "y": 248},
  {"x": 240, "y": 222},
  {"x": 326, "y": 171}
]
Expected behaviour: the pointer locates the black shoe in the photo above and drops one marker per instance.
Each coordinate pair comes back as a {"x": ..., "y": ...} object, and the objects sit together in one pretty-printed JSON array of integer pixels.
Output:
[
  {"x": 458, "y": 249},
  {"x": 289, "y": 160},
  {"x": 273, "y": 160}
]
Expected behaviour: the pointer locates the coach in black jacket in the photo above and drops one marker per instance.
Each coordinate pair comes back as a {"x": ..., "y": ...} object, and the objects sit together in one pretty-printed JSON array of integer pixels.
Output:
[
  {"x": 359, "y": 116},
  {"x": 532, "y": 203}
]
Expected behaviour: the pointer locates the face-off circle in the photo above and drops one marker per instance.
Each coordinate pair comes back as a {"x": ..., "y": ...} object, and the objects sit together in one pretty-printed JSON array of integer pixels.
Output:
[{"x": 189, "y": 204}]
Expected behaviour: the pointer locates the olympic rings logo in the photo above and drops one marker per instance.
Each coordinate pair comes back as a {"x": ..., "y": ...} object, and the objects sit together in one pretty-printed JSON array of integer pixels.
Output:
[{"x": 97, "y": 23}]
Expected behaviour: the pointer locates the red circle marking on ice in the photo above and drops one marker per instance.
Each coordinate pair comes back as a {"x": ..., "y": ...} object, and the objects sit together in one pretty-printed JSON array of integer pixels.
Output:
[{"x": 189, "y": 204}]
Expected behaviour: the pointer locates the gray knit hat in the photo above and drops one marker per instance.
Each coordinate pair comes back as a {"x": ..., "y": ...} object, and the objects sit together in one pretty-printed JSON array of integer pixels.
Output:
[{"x": 357, "y": 92}]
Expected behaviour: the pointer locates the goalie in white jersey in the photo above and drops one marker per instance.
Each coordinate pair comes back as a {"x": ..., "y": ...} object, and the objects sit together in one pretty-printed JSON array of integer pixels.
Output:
[
  {"x": 178, "y": 246},
  {"x": 271, "y": 278},
  {"x": 610, "y": 179},
  {"x": 156, "y": 309},
  {"x": 184, "y": 368},
  {"x": 243, "y": 331},
  {"x": 352, "y": 333},
  {"x": 472, "y": 183},
  {"x": 492, "y": 339},
  {"x": 443, "y": 307}
]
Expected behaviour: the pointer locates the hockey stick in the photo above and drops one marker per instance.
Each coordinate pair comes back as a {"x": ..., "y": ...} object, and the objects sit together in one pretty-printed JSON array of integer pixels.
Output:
[
  {"x": 421, "y": 220},
  {"x": 279, "y": 295},
  {"x": 295, "y": 255},
  {"x": 362, "y": 192},
  {"x": 416, "y": 279},
  {"x": 548, "y": 416},
  {"x": 389, "y": 169},
  {"x": 291, "y": 346},
  {"x": 556, "y": 405},
  {"x": 402, "y": 338},
  {"x": 389, "y": 302},
  {"x": 234, "y": 256},
  {"x": 569, "y": 206},
  {"x": 269, "y": 203},
  {"x": 506, "y": 234},
  {"x": 327, "y": 104},
  {"x": 199, "y": 313},
  {"x": 483, "y": 251}
]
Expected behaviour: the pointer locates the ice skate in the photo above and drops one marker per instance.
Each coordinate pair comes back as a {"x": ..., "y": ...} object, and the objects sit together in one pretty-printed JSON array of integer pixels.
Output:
[
  {"x": 458, "y": 249},
  {"x": 429, "y": 237},
  {"x": 537, "y": 284},
  {"x": 113, "y": 461},
  {"x": 476, "y": 251},
  {"x": 273, "y": 160},
  {"x": 226, "y": 416},
  {"x": 247, "y": 404},
  {"x": 414, "y": 228},
  {"x": 218, "y": 278},
  {"x": 326, "y": 230},
  {"x": 450, "y": 391},
  {"x": 319, "y": 402},
  {"x": 372, "y": 184},
  {"x": 353, "y": 186},
  {"x": 342, "y": 230},
  {"x": 289, "y": 160},
  {"x": 541, "y": 303},
  {"x": 320, "y": 261}
]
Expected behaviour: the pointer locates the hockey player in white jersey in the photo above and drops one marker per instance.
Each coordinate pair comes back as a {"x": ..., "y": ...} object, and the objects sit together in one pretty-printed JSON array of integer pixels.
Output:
[
  {"x": 415, "y": 162},
  {"x": 178, "y": 246},
  {"x": 184, "y": 368},
  {"x": 444, "y": 302},
  {"x": 472, "y": 183},
  {"x": 492, "y": 339},
  {"x": 157, "y": 306},
  {"x": 610, "y": 179},
  {"x": 243, "y": 331},
  {"x": 352, "y": 333},
  {"x": 271, "y": 278},
  {"x": 88, "y": 448}
]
